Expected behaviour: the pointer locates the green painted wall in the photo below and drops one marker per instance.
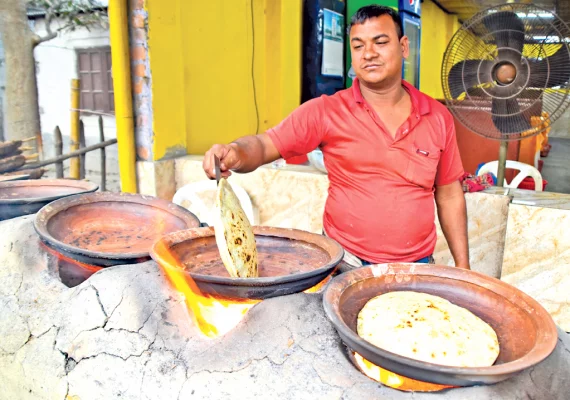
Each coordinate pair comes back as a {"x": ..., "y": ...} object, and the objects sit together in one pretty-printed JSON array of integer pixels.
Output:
[{"x": 351, "y": 7}]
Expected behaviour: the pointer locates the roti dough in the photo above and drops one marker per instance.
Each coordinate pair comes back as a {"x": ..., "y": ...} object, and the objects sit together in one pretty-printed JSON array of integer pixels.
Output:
[
  {"x": 428, "y": 328},
  {"x": 234, "y": 234}
]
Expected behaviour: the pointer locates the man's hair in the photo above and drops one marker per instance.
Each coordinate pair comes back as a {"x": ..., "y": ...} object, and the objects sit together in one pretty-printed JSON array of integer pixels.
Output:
[{"x": 374, "y": 11}]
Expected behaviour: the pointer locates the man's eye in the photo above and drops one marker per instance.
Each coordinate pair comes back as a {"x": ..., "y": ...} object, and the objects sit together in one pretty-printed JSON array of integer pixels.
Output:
[
  {"x": 357, "y": 47},
  {"x": 381, "y": 42}
]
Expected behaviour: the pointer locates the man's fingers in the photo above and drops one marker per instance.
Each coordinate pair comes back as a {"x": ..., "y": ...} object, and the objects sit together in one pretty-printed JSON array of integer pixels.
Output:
[{"x": 227, "y": 156}]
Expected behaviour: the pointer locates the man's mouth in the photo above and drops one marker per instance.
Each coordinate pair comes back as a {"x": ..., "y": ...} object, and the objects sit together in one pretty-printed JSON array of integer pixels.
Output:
[{"x": 369, "y": 67}]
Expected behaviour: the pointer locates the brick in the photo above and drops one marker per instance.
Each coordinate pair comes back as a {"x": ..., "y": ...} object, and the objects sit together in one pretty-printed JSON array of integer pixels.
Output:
[
  {"x": 138, "y": 21},
  {"x": 143, "y": 153},
  {"x": 138, "y": 53},
  {"x": 137, "y": 4},
  {"x": 139, "y": 70},
  {"x": 138, "y": 86}
]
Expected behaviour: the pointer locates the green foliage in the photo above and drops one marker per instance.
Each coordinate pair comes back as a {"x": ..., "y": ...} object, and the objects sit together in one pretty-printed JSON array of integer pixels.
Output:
[{"x": 73, "y": 14}]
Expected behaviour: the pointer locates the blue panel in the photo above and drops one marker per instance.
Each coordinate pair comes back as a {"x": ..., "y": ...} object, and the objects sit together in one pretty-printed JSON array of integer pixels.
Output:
[
  {"x": 411, "y": 67},
  {"x": 411, "y": 6},
  {"x": 314, "y": 82}
]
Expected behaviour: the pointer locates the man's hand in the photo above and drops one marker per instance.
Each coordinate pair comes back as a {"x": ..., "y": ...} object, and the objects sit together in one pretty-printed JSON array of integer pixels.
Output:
[
  {"x": 452, "y": 215},
  {"x": 246, "y": 154},
  {"x": 229, "y": 159}
]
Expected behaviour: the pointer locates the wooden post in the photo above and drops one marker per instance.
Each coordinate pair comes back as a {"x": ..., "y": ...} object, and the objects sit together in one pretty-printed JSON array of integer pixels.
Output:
[
  {"x": 74, "y": 142},
  {"x": 81, "y": 146},
  {"x": 103, "y": 156},
  {"x": 40, "y": 145},
  {"x": 58, "y": 152}
]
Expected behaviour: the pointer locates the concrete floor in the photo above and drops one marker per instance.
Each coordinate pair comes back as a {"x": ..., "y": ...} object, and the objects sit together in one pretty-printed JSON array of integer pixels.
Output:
[{"x": 556, "y": 168}]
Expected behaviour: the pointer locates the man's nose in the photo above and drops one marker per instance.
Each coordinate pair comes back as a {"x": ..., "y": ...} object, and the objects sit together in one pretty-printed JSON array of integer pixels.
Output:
[{"x": 369, "y": 52}]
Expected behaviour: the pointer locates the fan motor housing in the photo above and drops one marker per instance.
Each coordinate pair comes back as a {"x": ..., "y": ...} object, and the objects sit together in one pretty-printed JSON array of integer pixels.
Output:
[{"x": 504, "y": 73}]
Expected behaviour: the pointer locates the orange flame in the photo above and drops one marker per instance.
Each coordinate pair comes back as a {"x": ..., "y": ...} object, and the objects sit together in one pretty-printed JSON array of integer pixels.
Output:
[
  {"x": 394, "y": 380},
  {"x": 213, "y": 316},
  {"x": 320, "y": 285},
  {"x": 87, "y": 267}
]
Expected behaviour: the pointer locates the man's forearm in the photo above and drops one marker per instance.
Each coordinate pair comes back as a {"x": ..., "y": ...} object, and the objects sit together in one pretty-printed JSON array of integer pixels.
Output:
[
  {"x": 254, "y": 151},
  {"x": 452, "y": 215}
]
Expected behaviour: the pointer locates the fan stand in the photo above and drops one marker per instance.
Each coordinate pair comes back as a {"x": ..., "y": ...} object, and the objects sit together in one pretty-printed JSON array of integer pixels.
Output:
[{"x": 502, "y": 162}]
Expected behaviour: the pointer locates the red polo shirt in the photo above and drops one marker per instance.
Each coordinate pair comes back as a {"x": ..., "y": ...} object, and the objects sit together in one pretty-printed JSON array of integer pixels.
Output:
[{"x": 380, "y": 204}]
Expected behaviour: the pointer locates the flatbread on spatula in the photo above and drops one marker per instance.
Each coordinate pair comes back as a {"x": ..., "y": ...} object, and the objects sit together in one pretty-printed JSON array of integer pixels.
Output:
[
  {"x": 428, "y": 328},
  {"x": 234, "y": 235}
]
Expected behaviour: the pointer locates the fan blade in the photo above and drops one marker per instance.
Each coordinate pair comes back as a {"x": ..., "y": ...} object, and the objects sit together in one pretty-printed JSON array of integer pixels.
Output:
[
  {"x": 507, "y": 29},
  {"x": 466, "y": 74},
  {"x": 507, "y": 118},
  {"x": 551, "y": 71}
]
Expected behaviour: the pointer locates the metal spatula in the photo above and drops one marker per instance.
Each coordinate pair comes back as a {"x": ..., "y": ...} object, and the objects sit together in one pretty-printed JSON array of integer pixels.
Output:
[{"x": 217, "y": 170}]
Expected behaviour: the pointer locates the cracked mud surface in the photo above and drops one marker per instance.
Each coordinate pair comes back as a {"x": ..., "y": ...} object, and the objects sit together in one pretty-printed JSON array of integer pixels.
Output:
[{"x": 124, "y": 334}]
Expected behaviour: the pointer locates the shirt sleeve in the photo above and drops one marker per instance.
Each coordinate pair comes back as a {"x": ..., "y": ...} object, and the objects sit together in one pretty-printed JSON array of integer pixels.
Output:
[
  {"x": 450, "y": 167},
  {"x": 302, "y": 131}
]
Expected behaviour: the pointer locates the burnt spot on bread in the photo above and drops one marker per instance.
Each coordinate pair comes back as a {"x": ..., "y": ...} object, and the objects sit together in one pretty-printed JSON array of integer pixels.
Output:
[
  {"x": 238, "y": 241},
  {"x": 248, "y": 257}
]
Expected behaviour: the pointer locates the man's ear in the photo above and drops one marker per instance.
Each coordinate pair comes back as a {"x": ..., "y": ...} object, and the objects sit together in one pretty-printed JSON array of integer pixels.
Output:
[{"x": 405, "y": 43}]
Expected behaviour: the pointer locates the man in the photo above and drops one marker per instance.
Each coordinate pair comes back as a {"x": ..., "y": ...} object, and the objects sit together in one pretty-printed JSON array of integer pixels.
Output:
[{"x": 388, "y": 148}]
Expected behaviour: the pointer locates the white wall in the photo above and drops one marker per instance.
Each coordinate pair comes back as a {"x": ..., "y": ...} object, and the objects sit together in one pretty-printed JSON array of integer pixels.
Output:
[{"x": 56, "y": 62}]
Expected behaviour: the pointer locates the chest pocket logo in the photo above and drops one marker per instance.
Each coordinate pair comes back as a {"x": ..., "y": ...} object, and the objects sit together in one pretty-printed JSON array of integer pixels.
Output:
[{"x": 422, "y": 165}]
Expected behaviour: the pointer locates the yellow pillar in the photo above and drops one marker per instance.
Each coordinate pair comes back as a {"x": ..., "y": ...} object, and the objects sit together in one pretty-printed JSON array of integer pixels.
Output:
[
  {"x": 74, "y": 129},
  {"x": 118, "y": 19}
]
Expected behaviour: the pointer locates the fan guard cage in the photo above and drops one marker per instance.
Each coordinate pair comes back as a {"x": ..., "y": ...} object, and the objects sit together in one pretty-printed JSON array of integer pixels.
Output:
[{"x": 541, "y": 87}]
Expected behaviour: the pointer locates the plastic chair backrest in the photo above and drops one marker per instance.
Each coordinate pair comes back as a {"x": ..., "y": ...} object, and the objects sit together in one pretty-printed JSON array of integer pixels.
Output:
[
  {"x": 525, "y": 170},
  {"x": 187, "y": 197}
]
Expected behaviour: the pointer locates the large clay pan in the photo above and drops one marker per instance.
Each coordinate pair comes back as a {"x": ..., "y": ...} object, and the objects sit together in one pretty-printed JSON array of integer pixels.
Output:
[
  {"x": 25, "y": 197},
  {"x": 526, "y": 332},
  {"x": 290, "y": 261},
  {"x": 107, "y": 229}
]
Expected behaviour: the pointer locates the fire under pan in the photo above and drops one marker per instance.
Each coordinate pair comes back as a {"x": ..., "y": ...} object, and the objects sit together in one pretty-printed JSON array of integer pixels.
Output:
[
  {"x": 526, "y": 332},
  {"x": 290, "y": 261}
]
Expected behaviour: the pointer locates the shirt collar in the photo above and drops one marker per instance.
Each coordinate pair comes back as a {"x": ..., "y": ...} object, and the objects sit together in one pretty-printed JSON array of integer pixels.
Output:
[{"x": 419, "y": 101}]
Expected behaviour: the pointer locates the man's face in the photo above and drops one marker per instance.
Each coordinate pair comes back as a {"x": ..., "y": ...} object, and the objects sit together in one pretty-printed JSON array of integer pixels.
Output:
[{"x": 377, "y": 54}]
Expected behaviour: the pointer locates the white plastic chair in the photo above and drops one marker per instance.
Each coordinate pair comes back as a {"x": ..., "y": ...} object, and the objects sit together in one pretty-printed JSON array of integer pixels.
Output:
[
  {"x": 525, "y": 170},
  {"x": 187, "y": 197}
]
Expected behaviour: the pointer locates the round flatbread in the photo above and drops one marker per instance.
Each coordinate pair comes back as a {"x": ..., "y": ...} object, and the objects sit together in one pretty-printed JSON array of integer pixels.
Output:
[
  {"x": 428, "y": 328},
  {"x": 234, "y": 235}
]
